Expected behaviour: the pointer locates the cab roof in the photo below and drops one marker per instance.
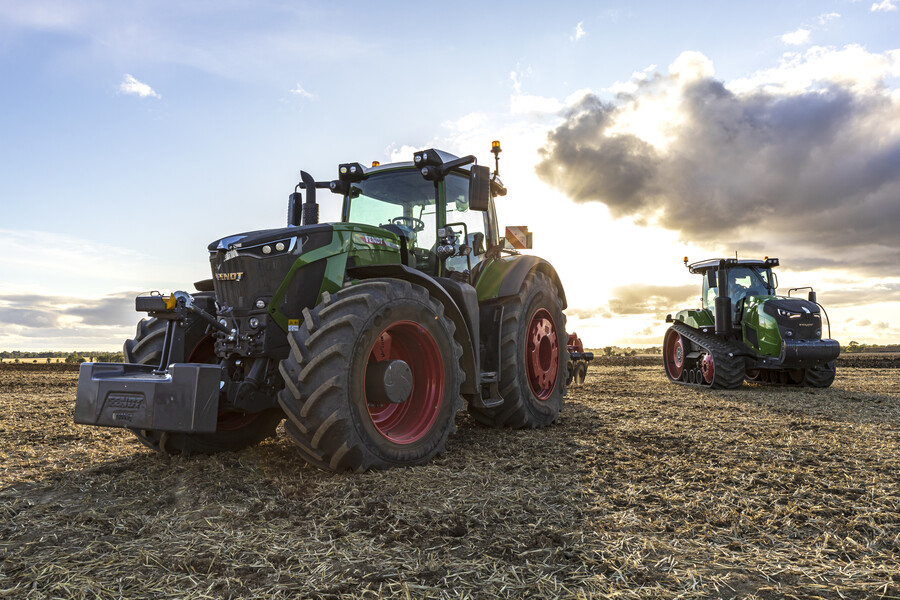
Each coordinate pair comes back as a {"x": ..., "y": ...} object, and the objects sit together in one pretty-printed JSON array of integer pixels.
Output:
[{"x": 702, "y": 266}]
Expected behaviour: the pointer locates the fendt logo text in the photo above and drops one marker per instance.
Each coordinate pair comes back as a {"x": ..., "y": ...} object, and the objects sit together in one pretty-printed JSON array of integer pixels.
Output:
[{"x": 230, "y": 276}]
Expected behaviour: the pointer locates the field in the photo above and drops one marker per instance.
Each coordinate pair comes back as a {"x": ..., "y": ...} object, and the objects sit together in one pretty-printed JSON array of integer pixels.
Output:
[{"x": 642, "y": 490}]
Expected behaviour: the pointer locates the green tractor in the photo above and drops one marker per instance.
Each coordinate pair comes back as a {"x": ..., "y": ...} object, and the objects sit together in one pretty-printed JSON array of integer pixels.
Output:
[
  {"x": 367, "y": 334},
  {"x": 745, "y": 331}
]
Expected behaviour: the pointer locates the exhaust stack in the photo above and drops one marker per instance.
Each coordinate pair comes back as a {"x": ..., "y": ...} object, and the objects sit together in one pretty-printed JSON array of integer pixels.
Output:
[{"x": 723, "y": 303}]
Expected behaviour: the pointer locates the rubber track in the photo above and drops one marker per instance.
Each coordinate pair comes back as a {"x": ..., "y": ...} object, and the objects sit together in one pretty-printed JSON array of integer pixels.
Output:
[{"x": 729, "y": 369}]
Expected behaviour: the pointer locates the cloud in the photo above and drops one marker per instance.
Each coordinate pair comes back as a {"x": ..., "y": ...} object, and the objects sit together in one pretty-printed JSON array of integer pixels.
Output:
[
  {"x": 580, "y": 32},
  {"x": 824, "y": 18},
  {"x": 39, "y": 311},
  {"x": 797, "y": 37},
  {"x": 884, "y": 6},
  {"x": 299, "y": 91},
  {"x": 132, "y": 86},
  {"x": 859, "y": 296},
  {"x": 815, "y": 170},
  {"x": 655, "y": 300}
]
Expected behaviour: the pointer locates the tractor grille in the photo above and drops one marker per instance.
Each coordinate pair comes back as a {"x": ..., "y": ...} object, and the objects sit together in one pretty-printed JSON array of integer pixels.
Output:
[
  {"x": 797, "y": 319},
  {"x": 241, "y": 281},
  {"x": 252, "y": 274}
]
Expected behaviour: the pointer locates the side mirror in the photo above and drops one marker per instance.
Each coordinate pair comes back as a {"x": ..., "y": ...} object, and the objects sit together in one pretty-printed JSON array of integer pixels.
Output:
[
  {"x": 479, "y": 188},
  {"x": 711, "y": 278}
]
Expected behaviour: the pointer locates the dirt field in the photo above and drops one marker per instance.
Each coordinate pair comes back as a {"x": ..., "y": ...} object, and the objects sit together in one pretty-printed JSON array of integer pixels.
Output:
[{"x": 643, "y": 489}]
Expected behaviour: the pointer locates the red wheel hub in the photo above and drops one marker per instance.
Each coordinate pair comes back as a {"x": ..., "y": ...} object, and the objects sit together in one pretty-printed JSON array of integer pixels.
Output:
[
  {"x": 410, "y": 420},
  {"x": 674, "y": 354},
  {"x": 542, "y": 354},
  {"x": 708, "y": 368}
]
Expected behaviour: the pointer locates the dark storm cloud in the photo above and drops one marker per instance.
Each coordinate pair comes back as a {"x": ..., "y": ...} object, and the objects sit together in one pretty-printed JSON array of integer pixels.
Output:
[
  {"x": 818, "y": 170},
  {"x": 47, "y": 312}
]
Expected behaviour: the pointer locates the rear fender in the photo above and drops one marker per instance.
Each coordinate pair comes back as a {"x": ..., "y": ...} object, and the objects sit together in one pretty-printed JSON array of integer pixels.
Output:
[{"x": 505, "y": 277}]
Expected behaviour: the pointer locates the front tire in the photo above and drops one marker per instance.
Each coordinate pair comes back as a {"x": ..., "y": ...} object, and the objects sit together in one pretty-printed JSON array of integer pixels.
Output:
[
  {"x": 345, "y": 412},
  {"x": 235, "y": 431},
  {"x": 820, "y": 377},
  {"x": 533, "y": 358}
]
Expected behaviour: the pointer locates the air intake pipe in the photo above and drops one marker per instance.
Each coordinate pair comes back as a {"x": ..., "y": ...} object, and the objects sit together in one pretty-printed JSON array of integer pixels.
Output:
[
  {"x": 309, "y": 210},
  {"x": 723, "y": 303}
]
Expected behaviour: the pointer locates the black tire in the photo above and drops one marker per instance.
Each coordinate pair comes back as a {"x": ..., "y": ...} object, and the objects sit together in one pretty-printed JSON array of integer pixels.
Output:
[
  {"x": 238, "y": 431},
  {"x": 325, "y": 394},
  {"x": 523, "y": 406},
  {"x": 821, "y": 377}
]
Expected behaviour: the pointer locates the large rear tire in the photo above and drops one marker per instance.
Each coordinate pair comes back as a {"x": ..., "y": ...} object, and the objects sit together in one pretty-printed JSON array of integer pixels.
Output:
[
  {"x": 373, "y": 378},
  {"x": 533, "y": 358},
  {"x": 236, "y": 431}
]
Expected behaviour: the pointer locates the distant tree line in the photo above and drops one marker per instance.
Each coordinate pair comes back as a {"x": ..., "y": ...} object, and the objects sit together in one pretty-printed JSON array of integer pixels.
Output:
[
  {"x": 78, "y": 356},
  {"x": 857, "y": 347}
]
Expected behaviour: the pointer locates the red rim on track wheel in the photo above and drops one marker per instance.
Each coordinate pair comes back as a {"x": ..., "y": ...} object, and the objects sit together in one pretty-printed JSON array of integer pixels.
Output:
[
  {"x": 708, "y": 368},
  {"x": 674, "y": 353}
]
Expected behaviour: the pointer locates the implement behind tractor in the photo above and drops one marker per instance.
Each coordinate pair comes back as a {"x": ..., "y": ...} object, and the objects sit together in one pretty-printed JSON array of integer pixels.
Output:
[
  {"x": 368, "y": 334},
  {"x": 745, "y": 331},
  {"x": 576, "y": 369}
]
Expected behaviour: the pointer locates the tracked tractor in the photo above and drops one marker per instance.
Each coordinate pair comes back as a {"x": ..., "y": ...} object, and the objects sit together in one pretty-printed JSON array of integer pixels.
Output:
[
  {"x": 745, "y": 330},
  {"x": 367, "y": 334}
]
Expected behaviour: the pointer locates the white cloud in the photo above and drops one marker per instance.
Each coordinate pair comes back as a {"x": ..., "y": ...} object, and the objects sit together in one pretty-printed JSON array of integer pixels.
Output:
[
  {"x": 884, "y": 6},
  {"x": 518, "y": 76},
  {"x": 132, "y": 86},
  {"x": 299, "y": 91},
  {"x": 851, "y": 66},
  {"x": 580, "y": 32},
  {"x": 796, "y": 38},
  {"x": 823, "y": 19}
]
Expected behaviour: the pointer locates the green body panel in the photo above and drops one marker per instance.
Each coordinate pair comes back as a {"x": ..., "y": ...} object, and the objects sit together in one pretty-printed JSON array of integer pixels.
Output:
[
  {"x": 365, "y": 244},
  {"x": 492, "y": 273},
  {"x": 696, "y": 318},
  {"x": 767, "y": 335}
]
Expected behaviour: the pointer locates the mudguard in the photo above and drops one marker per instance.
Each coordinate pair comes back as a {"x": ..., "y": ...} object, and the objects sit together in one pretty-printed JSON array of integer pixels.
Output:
[{"x": 504, "y": 277}]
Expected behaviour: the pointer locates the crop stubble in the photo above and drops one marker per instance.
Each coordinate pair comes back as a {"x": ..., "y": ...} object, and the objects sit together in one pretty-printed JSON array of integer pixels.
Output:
[{"x": 643, "y": 489}]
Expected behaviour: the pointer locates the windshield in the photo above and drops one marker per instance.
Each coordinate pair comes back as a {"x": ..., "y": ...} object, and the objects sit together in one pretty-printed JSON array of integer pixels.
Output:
[
  {"x": 401, "y": 197},
  {"x": 742, "y": 282}
]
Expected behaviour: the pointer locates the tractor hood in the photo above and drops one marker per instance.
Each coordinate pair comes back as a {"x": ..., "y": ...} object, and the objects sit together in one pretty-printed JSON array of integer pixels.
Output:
[
  {"x": 797, "y": 318},
  {"x": 251, "y": 239}
]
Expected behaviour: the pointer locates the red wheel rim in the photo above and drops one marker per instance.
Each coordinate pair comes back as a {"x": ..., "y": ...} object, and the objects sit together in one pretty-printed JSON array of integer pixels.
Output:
[
  {"x": 205, "y": 352},
  {"x": 409, "y": 421},
  {"x": 674, "y": 352},
  {"x": 542, "y": 354},
  {"x": 708, "y": 368}
]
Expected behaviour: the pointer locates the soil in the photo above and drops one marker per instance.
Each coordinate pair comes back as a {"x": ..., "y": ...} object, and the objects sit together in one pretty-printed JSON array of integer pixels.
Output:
[{"x": 642, "y": 489}]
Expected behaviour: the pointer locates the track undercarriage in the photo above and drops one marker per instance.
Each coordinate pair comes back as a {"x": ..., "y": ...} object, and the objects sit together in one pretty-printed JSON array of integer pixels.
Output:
[{"x": 701, "y": 359}]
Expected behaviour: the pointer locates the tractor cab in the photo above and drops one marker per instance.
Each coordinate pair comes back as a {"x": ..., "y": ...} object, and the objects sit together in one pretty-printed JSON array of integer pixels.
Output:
[
  {"x": 442, "y": 229},
  {"x": 744, "y": 280}
]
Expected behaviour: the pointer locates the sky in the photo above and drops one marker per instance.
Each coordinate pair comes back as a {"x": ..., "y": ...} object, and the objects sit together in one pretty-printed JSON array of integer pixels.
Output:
[{"x": 633, "y": 133}]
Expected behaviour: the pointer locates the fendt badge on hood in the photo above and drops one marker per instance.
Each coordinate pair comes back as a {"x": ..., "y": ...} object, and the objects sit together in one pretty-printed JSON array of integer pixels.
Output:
[{"x": 230, "y": 276}]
